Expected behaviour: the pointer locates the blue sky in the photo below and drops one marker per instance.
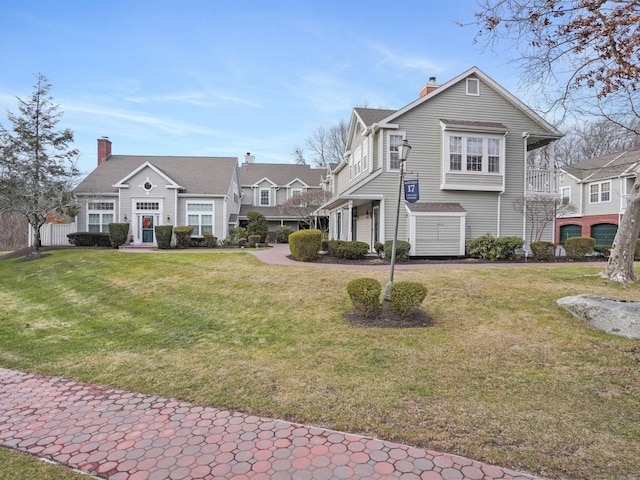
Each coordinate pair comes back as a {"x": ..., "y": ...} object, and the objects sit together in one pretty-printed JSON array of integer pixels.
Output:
[{"x": 221, "y": 78}]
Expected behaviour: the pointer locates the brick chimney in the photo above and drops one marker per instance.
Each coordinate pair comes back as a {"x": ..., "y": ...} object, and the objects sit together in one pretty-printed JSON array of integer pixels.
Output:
[
  {"x": 429, "y": 87},
  {"x": 104, "y": 149}
]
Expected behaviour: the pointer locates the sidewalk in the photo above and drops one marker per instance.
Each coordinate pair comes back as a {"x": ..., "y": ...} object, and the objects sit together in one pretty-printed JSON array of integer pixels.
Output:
[{"x": 122, "y": 435}]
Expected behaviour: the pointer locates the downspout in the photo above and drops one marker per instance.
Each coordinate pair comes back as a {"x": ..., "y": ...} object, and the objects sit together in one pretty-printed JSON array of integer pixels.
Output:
[
  {"x": 504, "y": 177},
  {"x": 525, "y": 136},
  {"x": 225, "y": 216}
]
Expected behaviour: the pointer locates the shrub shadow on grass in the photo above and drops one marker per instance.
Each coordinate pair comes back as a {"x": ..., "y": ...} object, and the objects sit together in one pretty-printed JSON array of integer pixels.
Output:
[{"x": 387, "y": 318}]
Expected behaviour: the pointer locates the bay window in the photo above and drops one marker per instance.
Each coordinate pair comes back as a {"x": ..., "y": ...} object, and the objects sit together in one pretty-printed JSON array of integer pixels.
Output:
[{"x": 470, "y": 153}]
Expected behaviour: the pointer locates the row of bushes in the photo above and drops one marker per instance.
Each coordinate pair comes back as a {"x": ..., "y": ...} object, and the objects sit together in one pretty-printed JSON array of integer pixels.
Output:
[
  {"x": 305, "y": 244},
  {"x": 405, "y": 296}
]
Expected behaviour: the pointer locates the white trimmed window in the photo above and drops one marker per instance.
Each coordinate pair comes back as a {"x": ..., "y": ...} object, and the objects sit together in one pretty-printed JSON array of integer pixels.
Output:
[
  {"x": 600, "y": 192},
  {"x": 100, "y": 215},
  {"x": 357, "y": 162},
  {"x": 265, "y": 197},
  {"x": 200, "y": 217},
  {"x": 365, "y": 155},
  {"x": 473, "y": 86},
  {"x": 473, "y": 153},
  {"x": 395, "y": 140},
  {"x": 565, "y": 195}
]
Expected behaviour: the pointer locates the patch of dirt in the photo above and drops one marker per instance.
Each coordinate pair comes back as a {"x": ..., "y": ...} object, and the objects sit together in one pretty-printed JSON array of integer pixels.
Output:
[{"x": 387, "y": 318}]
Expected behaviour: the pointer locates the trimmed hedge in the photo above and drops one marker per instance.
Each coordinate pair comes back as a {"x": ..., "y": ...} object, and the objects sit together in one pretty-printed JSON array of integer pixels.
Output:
[
  {"x": 353, "y": 250},
  {"x": 118, "y": 233},
  {"x": 577, "y": 248},
  {"x": 487, "y": 247},
  {"x": 183, "y": 236},
  {"x": 304, "y": 244},
  {"x": 543, "y": 251},
  {"x": 89, "y": 239},
  {"x": 406, "y": 297},
  {"x": 163, "y": 236},
  {"x": 402, "y": 250},
  {"x": 365, "y": 295},
  {"x": 210, "y": 240},
  {"x": 282, "y": 233}
]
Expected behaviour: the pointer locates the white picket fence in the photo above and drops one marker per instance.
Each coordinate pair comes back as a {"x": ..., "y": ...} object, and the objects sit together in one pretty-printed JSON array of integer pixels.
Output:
[{"x": 53, "y": 234}]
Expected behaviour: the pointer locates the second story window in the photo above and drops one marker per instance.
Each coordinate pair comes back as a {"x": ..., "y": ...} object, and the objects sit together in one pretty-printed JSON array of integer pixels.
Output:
[
  {"x": 395, "y": 140},
  {"x": 264, "y": 197},
  {"x": 473, "y": 153},
  {"x": 565, "y": 193},
  {"x": 600, "y": 192}
]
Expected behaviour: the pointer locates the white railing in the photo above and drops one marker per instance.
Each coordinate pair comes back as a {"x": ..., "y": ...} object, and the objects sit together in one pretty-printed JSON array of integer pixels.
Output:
[
  {"x": 53, "y": 234},
  {"x": 541, "y": 182}
]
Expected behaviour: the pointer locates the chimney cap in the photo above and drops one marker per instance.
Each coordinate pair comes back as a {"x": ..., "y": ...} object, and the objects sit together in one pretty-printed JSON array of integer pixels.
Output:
[{"x": 432, "y": 80}]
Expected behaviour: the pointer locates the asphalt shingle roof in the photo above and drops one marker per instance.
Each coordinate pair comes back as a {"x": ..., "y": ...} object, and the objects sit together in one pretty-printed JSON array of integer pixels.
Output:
[
  {"x": 280, "y": 174},
  {"x": 372, "y": 115},
  {"x": 198, "y": 175},
  {"x": 607, "y": 166}
]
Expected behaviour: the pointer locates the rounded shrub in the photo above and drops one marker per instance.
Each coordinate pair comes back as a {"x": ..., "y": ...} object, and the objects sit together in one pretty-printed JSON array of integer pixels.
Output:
[
  {"x": 304, "y": 244},
  {"x": 406, "y": 297},
  {"x": 402, "y": 250},
  {"x": 282, "y": 233},
  {"x": 577, "y": 248},
  {"x": 183, "y": 236},
  {"x": 543, "y": 251},
  {"x": 118, "y": 233},
  {"x": 163, "y": 236},
  {"x": 365, "y": 295}
]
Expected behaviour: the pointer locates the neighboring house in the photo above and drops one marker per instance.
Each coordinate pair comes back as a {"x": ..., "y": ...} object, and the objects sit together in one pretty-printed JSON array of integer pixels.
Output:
[
  {"x": 470, "y": 139},
  {"x": 266, "y": 186},
  {"x": 146, "y": 191},
  {"x": 598, "y": 189}
]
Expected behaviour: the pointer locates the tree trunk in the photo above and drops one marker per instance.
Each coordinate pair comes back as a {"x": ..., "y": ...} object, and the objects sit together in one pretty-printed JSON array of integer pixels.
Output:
[{"x": 620, "y": 265}]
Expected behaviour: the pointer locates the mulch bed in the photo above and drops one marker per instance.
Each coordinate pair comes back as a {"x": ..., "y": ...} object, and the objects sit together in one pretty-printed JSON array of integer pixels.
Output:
[{"x": 387, "y": 318}]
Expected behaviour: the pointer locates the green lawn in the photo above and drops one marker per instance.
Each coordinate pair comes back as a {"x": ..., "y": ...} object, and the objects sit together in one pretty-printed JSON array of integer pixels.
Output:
[{"x": 503, "y": 376}]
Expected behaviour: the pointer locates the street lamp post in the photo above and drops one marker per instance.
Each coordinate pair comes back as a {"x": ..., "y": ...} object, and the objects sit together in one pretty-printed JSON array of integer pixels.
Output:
[{"x": 403, "y": 153}]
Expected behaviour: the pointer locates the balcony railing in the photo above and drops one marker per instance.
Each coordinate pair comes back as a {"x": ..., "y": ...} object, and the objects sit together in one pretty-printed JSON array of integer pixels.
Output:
[{"x": 541, "y": 182}]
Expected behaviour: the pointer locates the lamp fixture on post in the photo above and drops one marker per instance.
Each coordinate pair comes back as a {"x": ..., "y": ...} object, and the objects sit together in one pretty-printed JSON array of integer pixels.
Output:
[{"x": 403, "y": 153}]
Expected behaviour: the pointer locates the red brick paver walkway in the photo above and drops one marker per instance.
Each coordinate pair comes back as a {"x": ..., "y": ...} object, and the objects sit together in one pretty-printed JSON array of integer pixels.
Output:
[{"x": 121, "y": 435}]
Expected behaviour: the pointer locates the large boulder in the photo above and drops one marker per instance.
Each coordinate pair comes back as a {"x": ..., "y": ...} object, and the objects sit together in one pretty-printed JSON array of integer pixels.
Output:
[{"x": 618, "y": 317}]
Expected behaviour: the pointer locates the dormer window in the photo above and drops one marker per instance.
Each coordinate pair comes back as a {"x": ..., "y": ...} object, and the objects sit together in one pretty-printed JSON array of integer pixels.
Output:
[{"x": 264, "y": 197}]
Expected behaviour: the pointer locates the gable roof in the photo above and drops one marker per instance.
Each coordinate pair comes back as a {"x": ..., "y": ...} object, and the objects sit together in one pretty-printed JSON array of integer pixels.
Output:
[
  {"x": 280, "y": 174},
  {"x": 369, "y": 116},
  {"x": 545, "y": 126},
  {"x": 196, "y": 175},
  {"x": 604, "y": 167}
]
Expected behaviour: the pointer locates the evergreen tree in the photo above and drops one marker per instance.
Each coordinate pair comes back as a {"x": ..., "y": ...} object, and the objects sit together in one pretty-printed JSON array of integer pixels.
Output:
[{"x": 37, "y": 166}]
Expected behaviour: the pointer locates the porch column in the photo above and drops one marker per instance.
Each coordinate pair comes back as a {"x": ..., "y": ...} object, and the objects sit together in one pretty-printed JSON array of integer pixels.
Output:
[{"x": 350, "y": 222}]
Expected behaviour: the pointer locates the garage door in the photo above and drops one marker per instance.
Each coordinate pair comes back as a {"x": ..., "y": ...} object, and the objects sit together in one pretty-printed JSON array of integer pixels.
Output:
[
  {"x": 568, "y": 231},
  {"x": 604, "y": 233}
]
